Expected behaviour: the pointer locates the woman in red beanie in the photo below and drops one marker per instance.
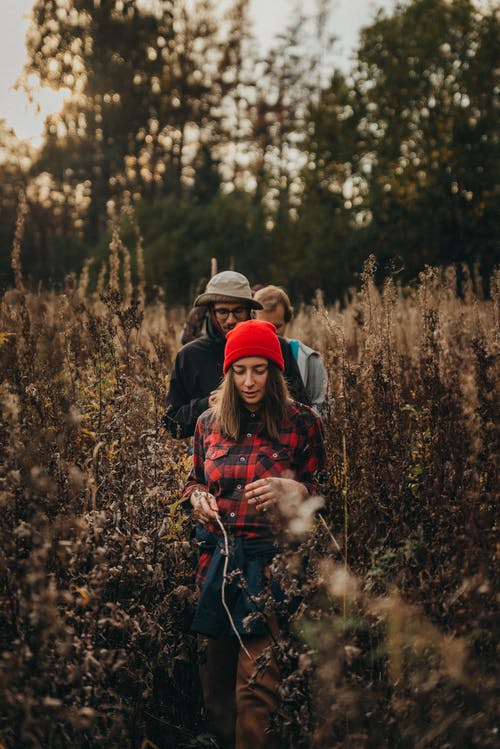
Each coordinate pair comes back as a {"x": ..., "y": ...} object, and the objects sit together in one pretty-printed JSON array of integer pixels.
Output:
[{"x": 253, "y": 450}]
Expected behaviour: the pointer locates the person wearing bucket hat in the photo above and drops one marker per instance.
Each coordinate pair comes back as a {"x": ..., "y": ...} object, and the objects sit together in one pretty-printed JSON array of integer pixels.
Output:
[
  {"x": 228, "y": 285},
  {"x": 256, "y": 454},
  {"x": 197, "y": 371}
]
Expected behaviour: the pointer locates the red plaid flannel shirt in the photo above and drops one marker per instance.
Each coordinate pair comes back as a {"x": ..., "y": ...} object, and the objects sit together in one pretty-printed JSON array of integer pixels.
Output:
[{"x": 223, "y": 467}]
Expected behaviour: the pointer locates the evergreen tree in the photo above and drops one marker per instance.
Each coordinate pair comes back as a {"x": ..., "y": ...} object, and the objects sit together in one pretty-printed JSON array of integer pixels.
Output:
[{"x": 412, "y": 142}]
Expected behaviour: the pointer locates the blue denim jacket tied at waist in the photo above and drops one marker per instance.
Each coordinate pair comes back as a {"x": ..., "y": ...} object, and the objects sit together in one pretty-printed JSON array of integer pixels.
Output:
[{"x": 248, "y": 556}]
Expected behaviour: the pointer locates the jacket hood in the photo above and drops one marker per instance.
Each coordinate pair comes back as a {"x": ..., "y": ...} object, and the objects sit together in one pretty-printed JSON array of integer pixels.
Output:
[{"x": 213, "y": 331}]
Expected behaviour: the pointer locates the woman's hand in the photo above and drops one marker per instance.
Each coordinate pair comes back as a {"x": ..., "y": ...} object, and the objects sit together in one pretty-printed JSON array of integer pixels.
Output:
[
  {"x": 213, "y": 398},
  {"x": 204, "y": 506},
  {"x": 264, "y": 493}
]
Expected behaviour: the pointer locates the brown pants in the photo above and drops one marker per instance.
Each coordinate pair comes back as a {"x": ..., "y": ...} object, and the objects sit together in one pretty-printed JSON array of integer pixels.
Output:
[{"x": 239, "y": 712}]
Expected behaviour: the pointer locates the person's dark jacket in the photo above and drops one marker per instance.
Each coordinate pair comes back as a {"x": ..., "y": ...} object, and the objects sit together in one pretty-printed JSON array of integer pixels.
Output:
[{"x": 198, "y": 370}]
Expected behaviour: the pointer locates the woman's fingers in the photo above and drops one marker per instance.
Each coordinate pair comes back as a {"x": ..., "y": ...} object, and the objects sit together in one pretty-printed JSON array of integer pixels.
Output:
[
  {"x": 209, "y": 509},
  {"x": 263, "y": 493},
  {"x": 253, "y": 486},
  {"x": 205, "y": 517},
  {"x": 211, "y": 504},
  {"x": 255, "y": 489},
  {"x": 204, "y": 506},
  {"x": 268, "y": 491}
]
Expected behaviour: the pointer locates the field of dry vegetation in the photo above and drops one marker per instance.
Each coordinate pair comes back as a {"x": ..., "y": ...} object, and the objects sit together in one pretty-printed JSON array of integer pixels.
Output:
[{"x": 395, "y": 641}]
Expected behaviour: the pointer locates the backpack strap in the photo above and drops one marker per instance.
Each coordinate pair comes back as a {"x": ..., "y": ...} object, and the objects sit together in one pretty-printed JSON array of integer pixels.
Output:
[{"x": 294, "y": 345}]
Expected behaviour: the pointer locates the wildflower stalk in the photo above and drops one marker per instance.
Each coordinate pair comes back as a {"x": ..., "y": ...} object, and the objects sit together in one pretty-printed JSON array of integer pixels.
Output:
[
  {"x": 346, "y": 512},
  {"x": 224, "y": 577},
  {"x": 16, "y": 246},
  {"x": 334, "y": 540}
]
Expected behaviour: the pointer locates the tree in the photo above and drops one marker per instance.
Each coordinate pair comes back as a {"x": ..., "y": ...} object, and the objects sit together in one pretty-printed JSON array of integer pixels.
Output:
[
  {"x": 237, "y": 68},
  {"x": 181, "y": 235},
  {"x": 15, "y": 162},
  {"x": 141, "y": 76},
  {"x": 433, "y": 115},
  {"x": 325, "y": 241},
  {"x": 146, "y": 82},
  {"x": 421, "y": 137}
]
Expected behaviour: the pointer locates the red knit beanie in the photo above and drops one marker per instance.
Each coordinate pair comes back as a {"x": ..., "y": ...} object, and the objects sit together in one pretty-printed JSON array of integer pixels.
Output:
[{"x": 253, "y": 338}]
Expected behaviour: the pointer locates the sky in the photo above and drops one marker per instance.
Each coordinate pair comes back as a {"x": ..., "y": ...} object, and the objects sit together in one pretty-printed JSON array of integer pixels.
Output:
[{"x": 348, "y": 16}]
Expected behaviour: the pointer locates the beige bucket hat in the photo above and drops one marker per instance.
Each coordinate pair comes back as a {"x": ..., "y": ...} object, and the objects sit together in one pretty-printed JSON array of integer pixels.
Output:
[{"x": 227, "y": 286}]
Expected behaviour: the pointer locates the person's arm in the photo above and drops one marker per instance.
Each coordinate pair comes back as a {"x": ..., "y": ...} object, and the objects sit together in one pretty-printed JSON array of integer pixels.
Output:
[
  {"x": 292, "y": 374},
  {"x": 317, "y": 381},
  {"x": 183, "y": 409},
  {"x": 204, "y": 504},
  {"x": 311, "y": 458}
]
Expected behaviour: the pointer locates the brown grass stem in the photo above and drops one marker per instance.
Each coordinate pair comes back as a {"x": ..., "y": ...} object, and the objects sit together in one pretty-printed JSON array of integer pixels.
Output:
[{"x": 224, "y": 578}]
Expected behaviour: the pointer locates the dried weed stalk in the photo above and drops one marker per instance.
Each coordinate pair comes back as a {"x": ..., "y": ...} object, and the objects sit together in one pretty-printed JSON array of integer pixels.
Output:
[{"x": 394, "y": 637}]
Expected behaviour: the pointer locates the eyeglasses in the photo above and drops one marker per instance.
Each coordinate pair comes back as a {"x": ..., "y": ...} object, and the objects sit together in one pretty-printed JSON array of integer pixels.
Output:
[{"x": 239, "y": 313}]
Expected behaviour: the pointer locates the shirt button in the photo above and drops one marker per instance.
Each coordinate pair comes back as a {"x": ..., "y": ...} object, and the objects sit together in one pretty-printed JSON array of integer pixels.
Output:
[
  {"x": 275, "y": 455},
  {"x": 249, "y": 434},
  {"x": 242, "y": 459},
  {"x": 232, "y": 514},
  {"x": 238, "y": 486},
  {"x": 252, "y": 415}
]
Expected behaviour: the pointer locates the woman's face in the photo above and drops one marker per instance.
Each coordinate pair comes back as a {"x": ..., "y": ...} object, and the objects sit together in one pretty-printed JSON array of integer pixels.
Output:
[
  {"x": 250, "y": 378},
  {"x": 276, "y": 316}
]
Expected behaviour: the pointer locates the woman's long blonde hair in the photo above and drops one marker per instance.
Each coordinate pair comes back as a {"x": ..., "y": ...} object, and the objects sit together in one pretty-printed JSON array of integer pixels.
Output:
[{"x": 228, "y": 406}]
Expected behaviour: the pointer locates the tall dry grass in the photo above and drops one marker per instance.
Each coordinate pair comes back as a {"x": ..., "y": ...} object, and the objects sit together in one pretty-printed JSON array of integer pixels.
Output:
[{"x": 394, "y": 642}]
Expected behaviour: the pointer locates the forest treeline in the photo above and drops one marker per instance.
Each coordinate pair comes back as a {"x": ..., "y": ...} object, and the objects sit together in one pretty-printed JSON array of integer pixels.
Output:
[{"x": 277, "y": 163}]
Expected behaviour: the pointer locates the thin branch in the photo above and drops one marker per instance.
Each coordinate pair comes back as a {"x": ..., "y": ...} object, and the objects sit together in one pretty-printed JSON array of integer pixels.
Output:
[{"x": 224, "y": 576}]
